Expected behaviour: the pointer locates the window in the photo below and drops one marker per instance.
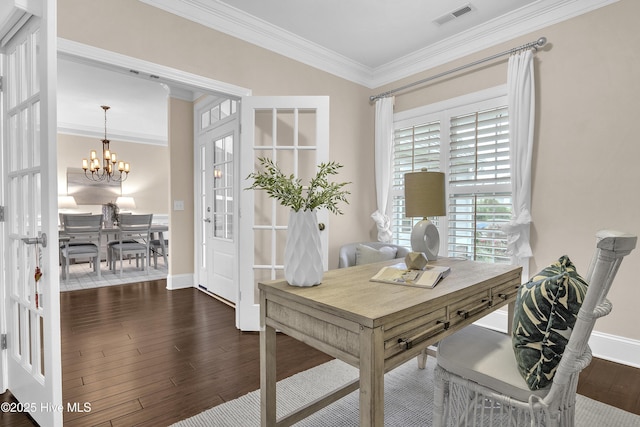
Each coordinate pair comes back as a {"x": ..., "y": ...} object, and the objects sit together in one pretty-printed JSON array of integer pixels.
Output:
[
  {"x": 468, "y": 139},
  {"x": 217, "y": 165},
  {"x": 223, "y": 187},
  {"x": 219, "y": 111}
]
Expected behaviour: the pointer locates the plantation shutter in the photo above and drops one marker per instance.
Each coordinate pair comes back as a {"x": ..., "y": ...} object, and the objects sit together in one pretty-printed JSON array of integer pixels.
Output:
[
  {"x": 479, "y": 179},
  {"x": 415, "y": 147},
  {"x": 479, "y": 149}
]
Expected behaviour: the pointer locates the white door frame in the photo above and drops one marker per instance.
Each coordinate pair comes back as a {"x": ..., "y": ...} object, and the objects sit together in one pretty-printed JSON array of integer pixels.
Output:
[{"x": 117, "y": 62}]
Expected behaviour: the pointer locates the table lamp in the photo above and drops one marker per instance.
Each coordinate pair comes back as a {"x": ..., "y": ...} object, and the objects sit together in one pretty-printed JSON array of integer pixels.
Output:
[
  {"x": 424, "y": 195},
  {"x": 125, "y": 203}
]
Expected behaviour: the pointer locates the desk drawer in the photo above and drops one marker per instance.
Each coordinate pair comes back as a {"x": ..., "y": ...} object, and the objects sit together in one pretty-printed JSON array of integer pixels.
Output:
[
  {"x": 505, "y": 292},
  {"x": 413, "y": 331},
  {"x": 471, "y": 307}
]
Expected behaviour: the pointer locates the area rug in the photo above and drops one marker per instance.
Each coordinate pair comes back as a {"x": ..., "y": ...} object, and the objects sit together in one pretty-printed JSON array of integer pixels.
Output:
[{"x": 408, "y": 401}]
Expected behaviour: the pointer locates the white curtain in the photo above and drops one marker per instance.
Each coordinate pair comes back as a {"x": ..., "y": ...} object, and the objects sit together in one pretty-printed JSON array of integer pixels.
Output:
[
  {"x": 383, "y": 166},
  {"x": 521, "y": 100}
]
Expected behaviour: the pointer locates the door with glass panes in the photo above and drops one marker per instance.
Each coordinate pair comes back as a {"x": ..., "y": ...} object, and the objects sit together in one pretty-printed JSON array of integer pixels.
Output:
[
  {"x": 293, "y": 132},
  {"x": 217, "y": 261},
  {"x": 29, "y": 284}
]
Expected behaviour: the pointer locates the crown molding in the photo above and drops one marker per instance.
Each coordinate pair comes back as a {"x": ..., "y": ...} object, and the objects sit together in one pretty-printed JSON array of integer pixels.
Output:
[
  {"x": 525, "y": 20},
  {"x": 229, "y": 20},
  {"x": 123, "y": 136}
]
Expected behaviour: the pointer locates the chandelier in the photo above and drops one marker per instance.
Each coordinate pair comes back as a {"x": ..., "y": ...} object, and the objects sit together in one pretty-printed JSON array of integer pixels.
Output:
[{"x": 111, "y": 162}]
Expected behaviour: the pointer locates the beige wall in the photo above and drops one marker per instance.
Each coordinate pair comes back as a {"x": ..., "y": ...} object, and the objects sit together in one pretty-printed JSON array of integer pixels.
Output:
[
  {"x": 148, "y": 182},
  {"x": 142, "y": 32},
  {"x": 585, "y": 156},
  {"x": 182, "y": 177},
  {"x": 586, "y": 152}
]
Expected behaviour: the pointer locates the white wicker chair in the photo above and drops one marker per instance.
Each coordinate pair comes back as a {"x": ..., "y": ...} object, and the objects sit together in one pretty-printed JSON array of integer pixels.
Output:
[{"x": 477, "y": 379}]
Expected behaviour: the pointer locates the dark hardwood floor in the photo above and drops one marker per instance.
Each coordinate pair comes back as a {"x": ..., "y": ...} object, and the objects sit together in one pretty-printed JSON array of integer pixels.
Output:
[{"x": 142, "y": 355}]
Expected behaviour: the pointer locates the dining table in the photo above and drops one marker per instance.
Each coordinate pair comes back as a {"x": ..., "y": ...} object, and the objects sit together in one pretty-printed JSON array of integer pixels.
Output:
[{"x": 112, "y": 231}]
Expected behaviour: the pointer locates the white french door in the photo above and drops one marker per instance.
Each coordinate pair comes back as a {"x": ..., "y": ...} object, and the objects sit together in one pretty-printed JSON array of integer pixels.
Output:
[
  {"x": 217, "y": 223},
  {"x": 294, "y": 132},
  {"x": 30, "y": 313}
]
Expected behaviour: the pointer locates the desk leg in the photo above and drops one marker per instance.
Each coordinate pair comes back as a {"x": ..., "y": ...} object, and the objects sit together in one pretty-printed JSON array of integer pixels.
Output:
[
  {"x": 371, "y": 377},
  {"x": 267, "y": 375}
]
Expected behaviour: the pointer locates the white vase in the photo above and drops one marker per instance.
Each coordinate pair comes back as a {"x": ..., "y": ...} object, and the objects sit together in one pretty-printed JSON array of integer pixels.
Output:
[{"x": 303, "y": 250}]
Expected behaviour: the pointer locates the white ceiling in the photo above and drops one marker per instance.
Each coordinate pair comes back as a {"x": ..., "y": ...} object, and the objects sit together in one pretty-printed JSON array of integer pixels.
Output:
[
  {"x": 374, "y": 32},
  {"x": 138, "y": 107},
  {"x": 369, "y": 42}
]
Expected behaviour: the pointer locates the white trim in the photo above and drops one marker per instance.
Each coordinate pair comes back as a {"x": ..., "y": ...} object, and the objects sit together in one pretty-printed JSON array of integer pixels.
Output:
[
  {"x": 179, "y": 281},
  {"x": 486, "y": 95},
  {"x": 533, "y": 17},
  {"x": 171, "y": 76},
  {"x": 93, "y": 132},
  {"x": 162, "y": 219},
  {"x": 604, "y": 346},
  {"x": 229, "y": 20},
  {"x": 616, "y": 349},
  {"x": 234, "y": 22}
]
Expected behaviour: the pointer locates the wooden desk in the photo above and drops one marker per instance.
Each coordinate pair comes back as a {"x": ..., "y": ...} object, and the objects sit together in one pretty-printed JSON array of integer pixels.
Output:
[{"x": 373, "y": 326}]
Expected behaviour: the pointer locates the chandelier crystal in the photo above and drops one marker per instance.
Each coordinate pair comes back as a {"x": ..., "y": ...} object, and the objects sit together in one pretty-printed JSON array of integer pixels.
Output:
[{"x": 111, "y": 169}]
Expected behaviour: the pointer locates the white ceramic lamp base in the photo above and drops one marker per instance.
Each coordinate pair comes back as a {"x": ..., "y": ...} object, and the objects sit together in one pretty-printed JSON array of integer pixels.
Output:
[{"x": 426, "y": 239}]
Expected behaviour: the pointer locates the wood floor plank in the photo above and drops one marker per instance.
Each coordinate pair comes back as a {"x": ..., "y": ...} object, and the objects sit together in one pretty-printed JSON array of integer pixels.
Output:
[{"x": 143, "y": 355}]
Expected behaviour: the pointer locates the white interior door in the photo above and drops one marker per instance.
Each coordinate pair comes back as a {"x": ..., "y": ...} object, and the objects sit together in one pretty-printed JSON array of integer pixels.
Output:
[
  {"x": 217, "y": 126},
  {"x": 294, "y": 132},
  {"x": 31, "y": 314}
]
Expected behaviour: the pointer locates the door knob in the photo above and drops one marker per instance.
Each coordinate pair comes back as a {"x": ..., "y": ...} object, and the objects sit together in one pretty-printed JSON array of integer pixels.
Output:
[
  {"x": 321, "y": 226},
  {"x": 207, "y": 220}
]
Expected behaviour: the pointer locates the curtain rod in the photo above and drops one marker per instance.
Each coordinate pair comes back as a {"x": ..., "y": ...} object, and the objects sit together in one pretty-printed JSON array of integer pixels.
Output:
[{"x": 533, "y": 45}]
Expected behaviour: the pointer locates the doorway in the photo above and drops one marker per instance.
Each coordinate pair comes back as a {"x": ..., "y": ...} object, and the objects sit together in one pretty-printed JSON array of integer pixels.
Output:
[
  {"x": 182, "y": 86},
  {"x": 217, "y": 124},
  {"x": 136, "y": 124}
]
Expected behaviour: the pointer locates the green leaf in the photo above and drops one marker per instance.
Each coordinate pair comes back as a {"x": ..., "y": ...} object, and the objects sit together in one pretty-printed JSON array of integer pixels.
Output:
[{"x": 289, "y": 191}]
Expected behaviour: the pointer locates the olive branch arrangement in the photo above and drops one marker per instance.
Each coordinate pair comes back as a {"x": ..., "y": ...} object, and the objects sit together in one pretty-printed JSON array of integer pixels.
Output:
[{"x": 289, "y": 191}]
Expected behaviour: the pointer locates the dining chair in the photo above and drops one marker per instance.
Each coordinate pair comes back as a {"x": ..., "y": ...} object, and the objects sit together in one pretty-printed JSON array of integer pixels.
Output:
[
  {"x": 157, "y": 248},
  {"x": 83, "y": 236},
  {"x": 63, "y": 238},
  {"x": 133, "y": 239},
  {"x": 484, "y": 377}
]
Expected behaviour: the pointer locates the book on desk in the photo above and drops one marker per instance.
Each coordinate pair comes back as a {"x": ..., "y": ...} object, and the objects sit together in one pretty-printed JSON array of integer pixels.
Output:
[{"x": 399, "y": 274}]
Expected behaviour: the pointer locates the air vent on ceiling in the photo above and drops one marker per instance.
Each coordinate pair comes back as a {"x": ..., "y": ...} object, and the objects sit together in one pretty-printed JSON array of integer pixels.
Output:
[{"x": 453, "y": 15}]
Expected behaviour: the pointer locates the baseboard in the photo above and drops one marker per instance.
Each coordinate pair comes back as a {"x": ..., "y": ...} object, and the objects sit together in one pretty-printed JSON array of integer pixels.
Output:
[
  {"x": 616, "y": 349},
  {"x": 604, "y": 346},
  {"x": 179, "y": 281}
]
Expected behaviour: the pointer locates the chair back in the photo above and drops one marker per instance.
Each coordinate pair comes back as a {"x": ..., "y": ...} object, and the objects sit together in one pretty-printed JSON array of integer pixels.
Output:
[
  {"x": 61, "y": 216},
  {"x": 82, "y": 227},
  {"x": 611, "y": 248},
  {"x": 135, "y": 226}
]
